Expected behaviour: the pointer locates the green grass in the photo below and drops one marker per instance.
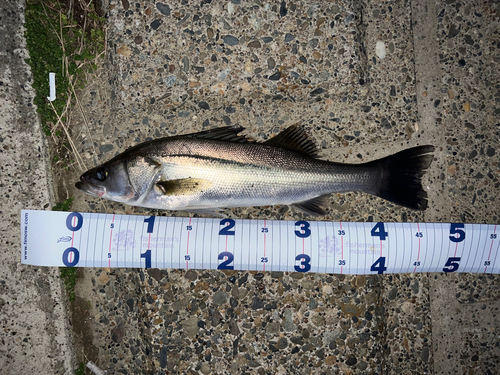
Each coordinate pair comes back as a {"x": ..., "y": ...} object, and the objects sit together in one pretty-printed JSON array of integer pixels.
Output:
[
  {"x": 80, "y": 370},
  {"x": 69, "y": 276},
  {"x": 58, "y": 44},
  {"x": 65, "y": 205}
]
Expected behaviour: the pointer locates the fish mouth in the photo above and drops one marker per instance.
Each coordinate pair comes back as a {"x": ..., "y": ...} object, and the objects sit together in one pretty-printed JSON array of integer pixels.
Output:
[{"x": 86, "y": 187}]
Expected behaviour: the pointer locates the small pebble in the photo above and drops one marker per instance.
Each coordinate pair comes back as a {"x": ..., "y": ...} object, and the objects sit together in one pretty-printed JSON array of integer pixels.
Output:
[
  {"x": 275, "y": 77},
  {"x": 191, "y": 275},
  {"x": 155, "y": 24},
  {"x": 271, "y": 63},
  {"x": 283, "y": 10},
  {"x": 351, "y": 360},
  {"x": 380, "y": 49},
  {"x": 282, "y": 343},
  {"x": 219, "y": 298},
  {"x": 254, "y": 44},
  {"x": 317, "y": 91},
  {"x": 106, "y": 148},
  {"x": 230, "y": 40},
  {"x": 257, "y": 303},
  {"x": 163, "y": 357},
  {"x": 203, "y": 105},
  {"x": 163, "y": 8},
  {"x": 453, "y": 32}
]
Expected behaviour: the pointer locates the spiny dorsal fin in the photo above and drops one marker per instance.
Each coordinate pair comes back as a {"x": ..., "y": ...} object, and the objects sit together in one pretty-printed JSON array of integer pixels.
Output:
[
  {"x": 315, "y": 206},
  {"x": 294, "y": 138},
  {"x": 226, "y": 133},
  {"x": 183, "y": 186}
]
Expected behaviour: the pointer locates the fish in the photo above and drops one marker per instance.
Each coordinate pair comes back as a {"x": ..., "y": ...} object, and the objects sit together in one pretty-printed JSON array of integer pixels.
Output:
[{"x": 207, "y": 171}]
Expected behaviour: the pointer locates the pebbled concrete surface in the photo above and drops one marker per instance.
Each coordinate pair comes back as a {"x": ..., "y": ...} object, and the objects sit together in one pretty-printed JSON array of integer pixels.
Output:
[
  {"x": 35, "y": 337},
  {"x": 369, "y": 79},
  {"x": 457, "y": 59}
]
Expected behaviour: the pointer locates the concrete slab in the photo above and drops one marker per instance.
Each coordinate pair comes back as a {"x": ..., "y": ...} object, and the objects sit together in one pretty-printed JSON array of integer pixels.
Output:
[
  {"x": 369, "y": 78},
  {"x": 35, "y": 337},
  {"x": 457, "y": 59}
]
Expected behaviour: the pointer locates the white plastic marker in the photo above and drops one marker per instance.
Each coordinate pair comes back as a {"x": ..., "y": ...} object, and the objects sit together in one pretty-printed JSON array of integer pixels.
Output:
[
  {"x": 52, "y": 87},
  {"x": 106, "y": 240}
]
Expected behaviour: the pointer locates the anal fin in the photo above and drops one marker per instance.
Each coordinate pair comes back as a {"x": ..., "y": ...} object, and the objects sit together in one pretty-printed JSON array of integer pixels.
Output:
[{"x": 315, "y": 206}]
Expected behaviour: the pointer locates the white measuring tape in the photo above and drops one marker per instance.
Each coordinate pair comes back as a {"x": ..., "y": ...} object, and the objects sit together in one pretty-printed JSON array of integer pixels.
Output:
[{"x": 106, "y": 240}]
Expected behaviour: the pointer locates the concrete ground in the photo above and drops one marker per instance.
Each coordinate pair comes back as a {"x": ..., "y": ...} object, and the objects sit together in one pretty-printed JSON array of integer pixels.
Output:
[
  {"x": 368, "y": 79},
  {"x": 35, "y": 333}
]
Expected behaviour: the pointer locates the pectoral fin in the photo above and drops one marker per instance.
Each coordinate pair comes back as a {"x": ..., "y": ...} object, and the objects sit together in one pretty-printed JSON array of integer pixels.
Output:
[{"x": 184, "y": 186}]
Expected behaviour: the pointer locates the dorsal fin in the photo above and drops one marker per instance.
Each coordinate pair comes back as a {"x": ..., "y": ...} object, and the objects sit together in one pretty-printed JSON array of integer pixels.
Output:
[
  {"x": 294, "y": 138},
  {"x": 226, "y": 133}
]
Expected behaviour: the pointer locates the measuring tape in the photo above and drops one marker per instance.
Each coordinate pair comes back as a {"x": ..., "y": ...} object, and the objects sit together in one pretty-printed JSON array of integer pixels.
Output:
[{"x": 77, "y": 239}]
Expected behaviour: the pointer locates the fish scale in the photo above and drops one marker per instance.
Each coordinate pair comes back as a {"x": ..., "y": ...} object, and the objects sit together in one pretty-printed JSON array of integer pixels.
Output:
[{"x": 279, "y": 175}]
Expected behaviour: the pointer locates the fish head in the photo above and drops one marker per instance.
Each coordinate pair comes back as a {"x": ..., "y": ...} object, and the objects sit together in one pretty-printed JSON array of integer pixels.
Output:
[
  {"x": 122, "y": 179},
  {"x": 108, "y": 181}
]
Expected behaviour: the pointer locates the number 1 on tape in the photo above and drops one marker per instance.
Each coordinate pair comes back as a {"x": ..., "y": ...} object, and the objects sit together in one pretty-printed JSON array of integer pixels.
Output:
[{"x": 106, "y": 240}]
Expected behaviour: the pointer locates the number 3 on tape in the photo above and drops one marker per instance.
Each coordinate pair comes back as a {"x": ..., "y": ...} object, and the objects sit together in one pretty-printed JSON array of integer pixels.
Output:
[{"x": 304, "y": 260}]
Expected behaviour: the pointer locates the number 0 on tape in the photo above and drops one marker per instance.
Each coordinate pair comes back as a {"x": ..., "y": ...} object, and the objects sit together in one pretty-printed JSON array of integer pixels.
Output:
[{"x": 105, "y": 240}]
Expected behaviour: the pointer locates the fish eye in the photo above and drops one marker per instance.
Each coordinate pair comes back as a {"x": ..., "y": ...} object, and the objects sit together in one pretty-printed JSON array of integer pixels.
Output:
[{"x": 101, "y": 174}]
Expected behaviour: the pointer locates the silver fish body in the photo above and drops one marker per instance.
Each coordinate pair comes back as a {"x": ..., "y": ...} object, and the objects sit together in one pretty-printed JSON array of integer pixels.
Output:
[{"x": 218, "y": 168}]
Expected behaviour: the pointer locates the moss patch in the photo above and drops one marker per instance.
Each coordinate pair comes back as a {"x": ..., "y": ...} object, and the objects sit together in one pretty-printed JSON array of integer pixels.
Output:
[
  {"x": 59, "y": 44},
  {"x": 65, "y": 205}
]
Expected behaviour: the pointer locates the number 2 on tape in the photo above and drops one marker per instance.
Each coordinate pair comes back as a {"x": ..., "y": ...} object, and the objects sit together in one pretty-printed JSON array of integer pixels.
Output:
[{"x": 226, "y": 256}]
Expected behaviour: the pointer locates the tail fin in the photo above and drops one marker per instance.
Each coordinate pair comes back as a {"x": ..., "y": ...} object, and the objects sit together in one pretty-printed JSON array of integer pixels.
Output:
[{"x": 401, "y": 175}]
